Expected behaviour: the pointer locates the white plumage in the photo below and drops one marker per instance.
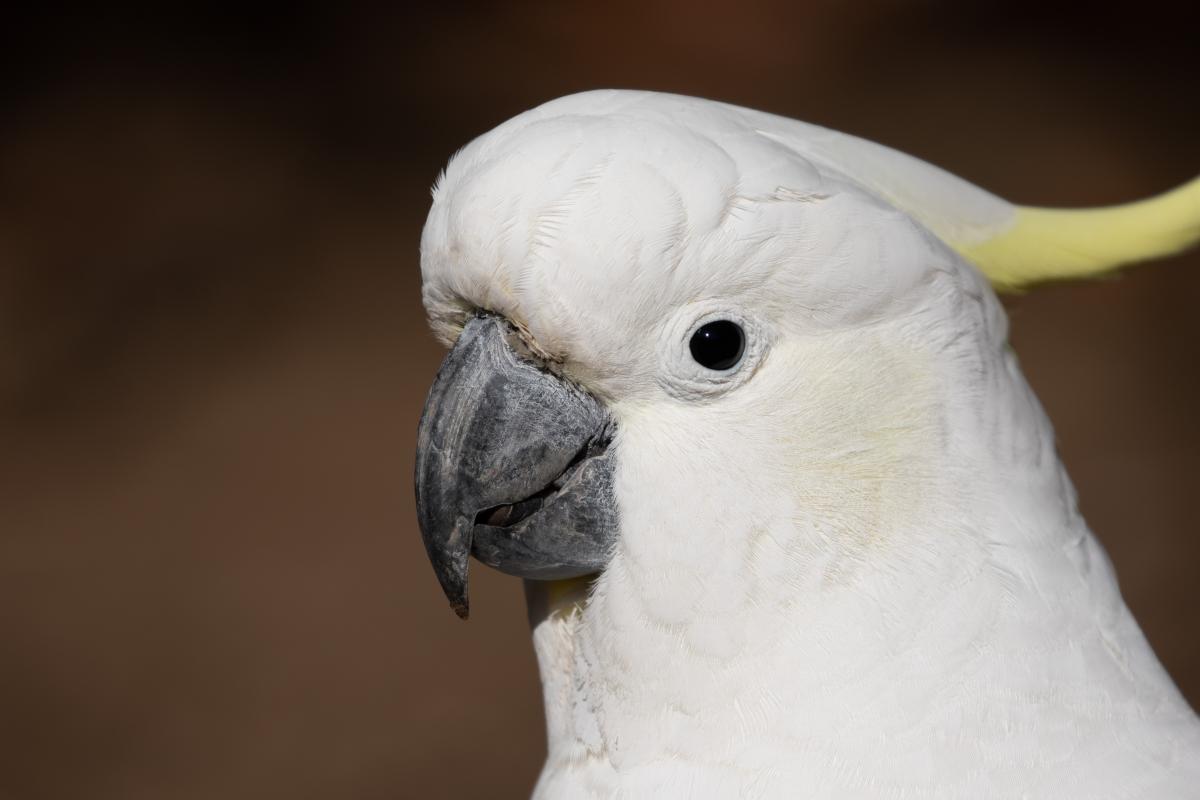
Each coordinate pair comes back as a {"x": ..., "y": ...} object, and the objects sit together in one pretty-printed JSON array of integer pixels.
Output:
[{"x": 853, "y": 566}]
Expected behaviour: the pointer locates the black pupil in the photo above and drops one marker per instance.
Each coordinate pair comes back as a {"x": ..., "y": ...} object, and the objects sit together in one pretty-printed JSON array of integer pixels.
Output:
[{"x": 718, "y": 345}]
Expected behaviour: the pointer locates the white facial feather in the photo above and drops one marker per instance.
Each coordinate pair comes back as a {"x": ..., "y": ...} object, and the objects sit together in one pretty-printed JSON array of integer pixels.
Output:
[{"x": 850, "y": 567}]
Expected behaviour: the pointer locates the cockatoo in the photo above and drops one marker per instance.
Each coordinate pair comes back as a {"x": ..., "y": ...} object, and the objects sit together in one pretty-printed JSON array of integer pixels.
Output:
[{"x": 732, "y": 392}]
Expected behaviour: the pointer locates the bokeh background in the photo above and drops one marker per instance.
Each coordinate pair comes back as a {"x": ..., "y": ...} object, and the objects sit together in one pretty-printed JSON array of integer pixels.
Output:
[{"x": 213, "y": 355}]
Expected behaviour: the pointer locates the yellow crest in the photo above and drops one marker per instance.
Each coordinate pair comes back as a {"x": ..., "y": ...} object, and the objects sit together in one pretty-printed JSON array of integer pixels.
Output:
[{"x": 1044, "y": 244}]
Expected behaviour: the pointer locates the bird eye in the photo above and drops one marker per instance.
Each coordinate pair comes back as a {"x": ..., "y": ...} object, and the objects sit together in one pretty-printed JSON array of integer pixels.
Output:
[{"x": 718, "y": 345}]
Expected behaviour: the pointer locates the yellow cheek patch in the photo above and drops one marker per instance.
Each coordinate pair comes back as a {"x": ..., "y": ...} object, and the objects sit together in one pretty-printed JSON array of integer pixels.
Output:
[{"x": 1046, "y": 244}]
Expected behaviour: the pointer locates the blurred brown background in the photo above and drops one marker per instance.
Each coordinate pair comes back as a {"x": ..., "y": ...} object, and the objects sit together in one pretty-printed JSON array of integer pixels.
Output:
[{"x": 213, "y": 356}]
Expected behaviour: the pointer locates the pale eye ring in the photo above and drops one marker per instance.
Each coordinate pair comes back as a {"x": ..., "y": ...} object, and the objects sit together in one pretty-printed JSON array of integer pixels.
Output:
[{"x": 718, "y": 345}]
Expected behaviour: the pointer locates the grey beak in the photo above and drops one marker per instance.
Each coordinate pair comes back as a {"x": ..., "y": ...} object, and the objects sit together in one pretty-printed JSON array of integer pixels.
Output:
[{"x": 513, "y": 466}]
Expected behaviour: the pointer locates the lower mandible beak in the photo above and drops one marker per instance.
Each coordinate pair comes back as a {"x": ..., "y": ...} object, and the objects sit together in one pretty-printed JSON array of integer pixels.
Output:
[{"x": 514, "y": 465}]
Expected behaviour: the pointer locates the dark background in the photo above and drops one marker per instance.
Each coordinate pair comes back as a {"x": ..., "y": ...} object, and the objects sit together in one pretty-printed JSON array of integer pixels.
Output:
[{"x": 213, "y": 356}]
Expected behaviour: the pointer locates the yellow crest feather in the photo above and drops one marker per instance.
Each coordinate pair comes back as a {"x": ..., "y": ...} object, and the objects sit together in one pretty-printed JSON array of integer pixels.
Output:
[{"x": 1044, "y": 244}]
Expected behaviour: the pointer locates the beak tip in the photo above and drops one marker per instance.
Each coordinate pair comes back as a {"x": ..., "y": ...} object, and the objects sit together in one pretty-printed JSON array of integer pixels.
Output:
[
  {"x": 461, "y": 608},
  {"x": 453, "y": 578}
]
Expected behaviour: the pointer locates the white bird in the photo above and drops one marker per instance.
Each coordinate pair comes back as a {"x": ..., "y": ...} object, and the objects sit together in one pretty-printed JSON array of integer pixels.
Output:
[{"x": 734, "y": 393}]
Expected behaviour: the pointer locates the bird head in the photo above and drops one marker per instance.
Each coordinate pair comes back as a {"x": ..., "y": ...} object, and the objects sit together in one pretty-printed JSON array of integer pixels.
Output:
[{"x": 687, "y": 332}]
